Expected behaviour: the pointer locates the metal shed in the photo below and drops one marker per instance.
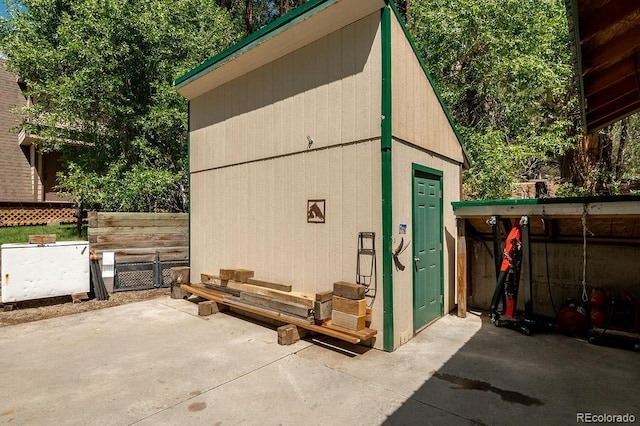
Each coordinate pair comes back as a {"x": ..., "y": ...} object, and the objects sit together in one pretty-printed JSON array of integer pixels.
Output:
[{"x": 329, "y": 106}]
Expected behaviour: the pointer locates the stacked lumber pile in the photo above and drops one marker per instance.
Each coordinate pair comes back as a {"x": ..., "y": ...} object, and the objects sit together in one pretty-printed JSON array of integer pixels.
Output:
[
  {"x": 238, "y": 289},
  {"x": 349, "y": 307},
  {"x": 241, "y": 289}
]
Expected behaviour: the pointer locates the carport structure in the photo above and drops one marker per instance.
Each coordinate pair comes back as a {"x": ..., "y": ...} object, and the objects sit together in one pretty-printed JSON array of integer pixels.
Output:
[
  {"x": 576, "y": 245},
  {"x": 606, "y": 42}
]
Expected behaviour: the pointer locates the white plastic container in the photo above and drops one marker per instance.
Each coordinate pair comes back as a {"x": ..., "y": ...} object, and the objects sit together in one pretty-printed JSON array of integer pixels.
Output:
[{"x": 32, "y": 271}]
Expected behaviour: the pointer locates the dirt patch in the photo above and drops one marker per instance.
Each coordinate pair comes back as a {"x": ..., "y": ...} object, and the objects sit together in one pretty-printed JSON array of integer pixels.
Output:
[{"x": 36, "y": 310}]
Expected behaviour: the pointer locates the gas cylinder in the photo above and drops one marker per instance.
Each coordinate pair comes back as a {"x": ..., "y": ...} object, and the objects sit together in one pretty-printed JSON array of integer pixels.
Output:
[
  {"x": 598, "y": 318},
  {"x": 570, "y": 321},
  {"x": 598, "y": 299}
]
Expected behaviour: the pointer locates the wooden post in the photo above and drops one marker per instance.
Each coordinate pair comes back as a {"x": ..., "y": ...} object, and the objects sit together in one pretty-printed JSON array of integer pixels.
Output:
[{"x": 462, "y": 263}]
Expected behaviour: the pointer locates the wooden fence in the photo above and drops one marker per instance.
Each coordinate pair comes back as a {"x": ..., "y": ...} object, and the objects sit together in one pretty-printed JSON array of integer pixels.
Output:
[{"x": 137, "y": 237}]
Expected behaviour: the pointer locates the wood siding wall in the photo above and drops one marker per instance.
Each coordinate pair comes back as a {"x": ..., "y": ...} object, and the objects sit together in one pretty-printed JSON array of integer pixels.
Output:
[
  {"x": 137, "y": 237},
  {"x": 418, "y": 116},
  {"x": 253, "y": 216},
  {"x": 329, "y": 90},
  {"x": 404, "y": 155}
]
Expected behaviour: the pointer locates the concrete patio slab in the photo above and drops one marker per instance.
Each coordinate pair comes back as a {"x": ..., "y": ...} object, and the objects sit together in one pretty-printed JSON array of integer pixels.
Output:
[{"x": 157, "y": 362}]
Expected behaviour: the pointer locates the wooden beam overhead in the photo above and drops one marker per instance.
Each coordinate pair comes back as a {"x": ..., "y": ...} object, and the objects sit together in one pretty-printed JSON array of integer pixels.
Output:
[
  {"x": 617, "y": 48},
  {"x": 596, "y": 81},
  {"x": 606, "y": 39},
  {"x": 598, "y": 123},
  {"x": 606, "y": 17},
  {"x": 622, "y": 89}
]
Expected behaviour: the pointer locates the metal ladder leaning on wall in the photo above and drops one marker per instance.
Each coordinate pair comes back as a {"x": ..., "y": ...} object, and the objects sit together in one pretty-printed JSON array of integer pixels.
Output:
[{"x": 367, "y": 253}]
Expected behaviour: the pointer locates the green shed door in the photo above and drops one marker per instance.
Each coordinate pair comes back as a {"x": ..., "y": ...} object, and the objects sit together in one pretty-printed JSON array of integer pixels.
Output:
[{"x": 427, "y": 248}]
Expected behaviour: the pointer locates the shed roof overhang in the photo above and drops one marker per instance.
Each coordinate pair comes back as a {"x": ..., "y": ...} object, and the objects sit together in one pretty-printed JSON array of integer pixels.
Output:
[
  {"x": 606, "y": 43},
  {"x": 305, "y": 24},
  {"x": 608, "y": 220}
]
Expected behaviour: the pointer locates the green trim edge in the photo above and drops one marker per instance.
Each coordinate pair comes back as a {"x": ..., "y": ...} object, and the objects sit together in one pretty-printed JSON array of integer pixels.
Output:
[
  {"x": 387, "y": 182},
  {"x": 284, "y": 22}
]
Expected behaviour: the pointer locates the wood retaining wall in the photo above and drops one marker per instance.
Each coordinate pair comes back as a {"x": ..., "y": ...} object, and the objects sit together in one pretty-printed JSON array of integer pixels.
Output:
[{"x": 137, "y": 237}]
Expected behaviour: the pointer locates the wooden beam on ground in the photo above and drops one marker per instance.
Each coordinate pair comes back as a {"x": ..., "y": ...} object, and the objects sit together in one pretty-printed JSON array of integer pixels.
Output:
[
  {"x": 348, "y": 290},
  {"x": 250, "y": 288},
  {"x": 324, "y": 296},
  {"x": 242, "y": 275},
  {"x": 222, "y": 288},
  {"x": 327, "y": 328},
  {"x": 462, "y": 265},
  {"x": 42, "y": 239},
  {"x": 350, "y": 306},
  {"x": 236, "y": 302},
  {"x": 279, "y": 305},
  {"x": 207, "y": 308},
  {"x": 268, "y": 284},
  {"x": 282, "y": 295},
  {"x": 351, "y": 322}
]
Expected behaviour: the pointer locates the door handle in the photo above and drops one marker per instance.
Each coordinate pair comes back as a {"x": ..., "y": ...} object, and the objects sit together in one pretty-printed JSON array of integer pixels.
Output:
[{"x": 416, "y": 260}]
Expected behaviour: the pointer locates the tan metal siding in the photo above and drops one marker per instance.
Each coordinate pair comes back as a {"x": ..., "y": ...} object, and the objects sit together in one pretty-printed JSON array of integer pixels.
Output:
[
  {"x": 403, "y": 157},
  {"x": 329, "y": 90},
  {"x": 417, "y": 114},
  {"x": 253, "y": 216}
]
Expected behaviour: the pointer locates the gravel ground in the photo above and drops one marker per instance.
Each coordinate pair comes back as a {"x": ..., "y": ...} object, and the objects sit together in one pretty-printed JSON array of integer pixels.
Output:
[{"x": 35, "y": 310}]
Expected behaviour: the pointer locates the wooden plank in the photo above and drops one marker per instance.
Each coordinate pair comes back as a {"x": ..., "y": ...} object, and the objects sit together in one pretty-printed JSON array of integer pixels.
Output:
[
  {"x": 177, "y": 276},
  {"x": 284, "y": 317},
  {"x": 290, "y": 334},
  {"x": 226, "y": 274},
  {"x": 207, "y": 308},
  {"x": 222, "y": 288},
  {"x": 322, "y": 310},
  {"x": 148, "y": 245},
  {"x": 242, "y": 275},
  {"x": 279, "y": 305},
  {"x": 79, "y": 297},
  {"x": 137, "y": 216},
  {"x": 268, "y": 284},
  {"x": 462, "y": 271},
  {"x": 134, "y": 230},
  {"x": 363, "y": 335},
  {"x": 326, "y": 329},
  {"x": 303, "y": 299},
  {"x": 127, "y": 239},
  {"x": 350, "y": 306},
  {"x": 324, "y": 296},
  {"x": 147, "y": 257},
  {"x": 351, "y": 322},
  {"x": 117, "y": 223},
  {"x": 42, "y": 239},
  {"x": 348, "y": 290}
]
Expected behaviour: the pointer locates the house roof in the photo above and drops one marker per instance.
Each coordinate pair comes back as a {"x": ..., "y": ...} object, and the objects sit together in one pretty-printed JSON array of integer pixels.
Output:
[
  {"x": 275, "y": 40},
  {"x": 606, "y": 42}
]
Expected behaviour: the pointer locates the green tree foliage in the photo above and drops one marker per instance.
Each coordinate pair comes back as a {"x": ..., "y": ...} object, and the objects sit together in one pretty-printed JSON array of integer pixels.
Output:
[
  {"x": 101, "y": 74},
  {"x": 504, "y": 68}
]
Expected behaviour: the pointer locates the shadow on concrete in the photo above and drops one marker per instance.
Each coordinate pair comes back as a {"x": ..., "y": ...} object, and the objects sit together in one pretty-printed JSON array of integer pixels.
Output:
[{"x": 503, "y": 377}]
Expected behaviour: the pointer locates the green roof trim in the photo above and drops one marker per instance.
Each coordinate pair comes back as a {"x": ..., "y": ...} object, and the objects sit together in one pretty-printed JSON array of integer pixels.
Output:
[
  {"x": 536, "y": 201},
  {"x": 431, "y": 81},
  {"x": 281, "y": 24}
]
